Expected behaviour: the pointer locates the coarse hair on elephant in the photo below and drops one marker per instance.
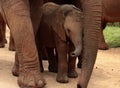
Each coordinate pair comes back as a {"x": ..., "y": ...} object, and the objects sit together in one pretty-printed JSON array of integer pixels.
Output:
[
  {"x": 61, "y": 28},
  {"x": 2, "y": 32},
  {"x": 23, "y": 24},
  {"x": 111, "y": 13}
]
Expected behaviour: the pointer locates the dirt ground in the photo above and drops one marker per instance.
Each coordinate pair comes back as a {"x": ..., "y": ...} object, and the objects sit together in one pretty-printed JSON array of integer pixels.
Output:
[{"x": 106, "y": 73}]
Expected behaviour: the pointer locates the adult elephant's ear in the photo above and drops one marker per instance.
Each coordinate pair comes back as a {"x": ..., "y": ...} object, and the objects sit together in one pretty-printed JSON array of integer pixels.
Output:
[{"x": 58, "y": 24}]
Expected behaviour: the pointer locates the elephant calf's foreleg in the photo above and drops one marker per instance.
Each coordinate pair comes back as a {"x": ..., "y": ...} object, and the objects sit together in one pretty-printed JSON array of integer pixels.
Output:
[{"x": 62, "y": 61}]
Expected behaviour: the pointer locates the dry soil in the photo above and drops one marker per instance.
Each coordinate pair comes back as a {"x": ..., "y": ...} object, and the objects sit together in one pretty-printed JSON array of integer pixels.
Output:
[{"x": 106, "y": 72}]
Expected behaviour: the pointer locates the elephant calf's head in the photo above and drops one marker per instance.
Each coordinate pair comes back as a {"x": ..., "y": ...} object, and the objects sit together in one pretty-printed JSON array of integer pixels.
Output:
[
  {"x": 73, "y": 27},
  {"x": 66, "y": 20}
]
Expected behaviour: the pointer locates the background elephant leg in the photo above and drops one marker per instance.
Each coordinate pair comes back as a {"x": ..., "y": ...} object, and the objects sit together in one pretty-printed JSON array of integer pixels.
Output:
[
  {"x": 2, "y": 32},
  {"x": 53, "y": 60},
  {"x": 72, "y": 64},
  {"x": 102, "y": 44},
  {"x": 61, "y": 47},
  {"x": 2, "y": 44},
  {"x": 15, "y": 69},
  {"x": 19, "y": 22},
  {"x": 11, "y": 43},
  {"x": 40, "y": 52}
]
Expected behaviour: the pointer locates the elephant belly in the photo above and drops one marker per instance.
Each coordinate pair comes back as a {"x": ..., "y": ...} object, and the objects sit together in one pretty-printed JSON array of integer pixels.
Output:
[{"x": 111, "y": 10}]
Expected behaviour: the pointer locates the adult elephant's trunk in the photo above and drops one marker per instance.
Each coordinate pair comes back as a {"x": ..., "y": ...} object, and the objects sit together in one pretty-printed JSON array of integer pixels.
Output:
[{"x": 92, "y": 12}]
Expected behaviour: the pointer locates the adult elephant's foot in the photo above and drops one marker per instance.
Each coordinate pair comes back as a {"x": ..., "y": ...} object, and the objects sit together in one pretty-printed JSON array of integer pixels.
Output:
[
  {"x": 31, "y": 79},
  {"x": 62, "y": 78},
  {"x": 2, "y": 45},
  {"x": 103, "y": 46},
  {"x": 72, "y": 73},
  {"x": 15, "y": 70},
  {"x": 11, "y": 48}
]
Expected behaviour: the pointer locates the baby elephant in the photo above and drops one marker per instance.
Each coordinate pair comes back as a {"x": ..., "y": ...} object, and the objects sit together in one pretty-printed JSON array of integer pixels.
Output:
[{"x": 61, "y": 28}]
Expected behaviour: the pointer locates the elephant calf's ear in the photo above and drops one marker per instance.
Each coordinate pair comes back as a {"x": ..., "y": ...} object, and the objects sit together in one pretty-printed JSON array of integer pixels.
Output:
[
  {"x": 57, "y": 25},
  {"x": 59, "y": 30}
]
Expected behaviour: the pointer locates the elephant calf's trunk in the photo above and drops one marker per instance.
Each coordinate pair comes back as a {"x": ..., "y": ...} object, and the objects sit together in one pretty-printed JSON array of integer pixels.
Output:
[{"x": 76, "y": 52}]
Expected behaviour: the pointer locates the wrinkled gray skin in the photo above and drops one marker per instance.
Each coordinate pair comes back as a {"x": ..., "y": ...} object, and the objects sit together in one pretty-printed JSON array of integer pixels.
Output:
[
  {"x": 19, "y": 18},
  {"x": 59, "y": 25}
]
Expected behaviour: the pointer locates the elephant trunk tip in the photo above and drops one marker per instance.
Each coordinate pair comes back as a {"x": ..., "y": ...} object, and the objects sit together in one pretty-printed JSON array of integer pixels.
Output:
[{"x": 74, "y": 54}]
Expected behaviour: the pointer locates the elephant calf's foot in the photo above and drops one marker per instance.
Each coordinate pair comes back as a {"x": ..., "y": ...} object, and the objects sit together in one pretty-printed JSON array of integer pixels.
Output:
[
  {"x": 62, "y": 78},
  {"x": 72, "y": 74},
  {"x": 31, "y": 79}
]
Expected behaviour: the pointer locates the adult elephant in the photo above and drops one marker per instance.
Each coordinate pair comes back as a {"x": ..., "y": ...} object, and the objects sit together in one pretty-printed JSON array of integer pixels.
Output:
[
  {"x": 2, "y": 32},
  {"x": 92, "y": 10},
  {"x": 111, "y": 13},
  {"x": 18, "y": 15}
]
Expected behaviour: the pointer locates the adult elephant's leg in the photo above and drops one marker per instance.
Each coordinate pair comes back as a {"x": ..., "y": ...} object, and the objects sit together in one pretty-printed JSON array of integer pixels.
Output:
[
  {"x": 11, "y": 43},
  {"x": 92, "y": 12},
  {"x": 2, "y": 44},
  {"x": 17, "y": 15},
  {"x": 35, "y": 13},
  {"x": 2, "y": 32},
  {"x": 15, "y": 69}
]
